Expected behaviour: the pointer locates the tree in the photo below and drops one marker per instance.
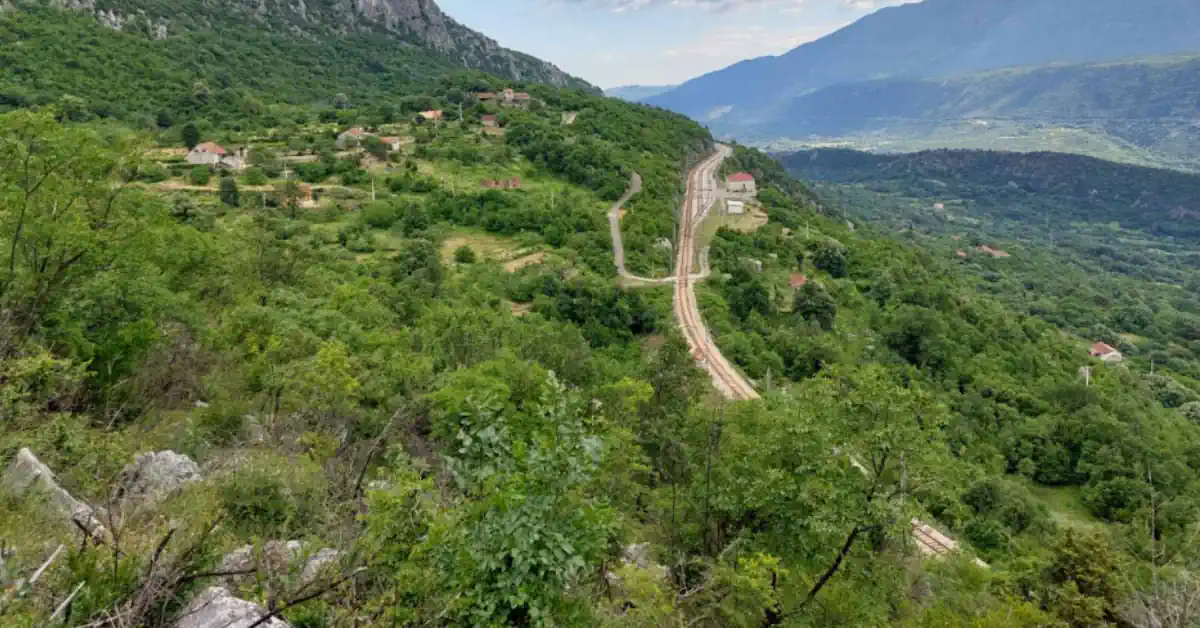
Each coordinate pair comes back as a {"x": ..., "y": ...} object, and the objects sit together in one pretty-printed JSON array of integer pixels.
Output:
[
  {"x": 229, "y": 191},
  {"x": 464, "y": 254},
  {"x": 376, "y": 148},
  {"x": 200, "y": 175},
  {"x": 830, "y": 257},
  {"x": 813, "y": 303},
  {"x": 255, "y": 176},
  {"x": 190, "y": 135}
]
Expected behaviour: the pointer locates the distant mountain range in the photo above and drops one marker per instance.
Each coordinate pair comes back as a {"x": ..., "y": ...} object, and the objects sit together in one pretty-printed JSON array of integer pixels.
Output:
[
  {"x": 881, "y": 67},
  {"x": 637, "y": 93}
]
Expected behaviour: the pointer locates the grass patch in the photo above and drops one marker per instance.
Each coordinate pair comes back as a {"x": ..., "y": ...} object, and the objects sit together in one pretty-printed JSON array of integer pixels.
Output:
[{"x": 1066, "y": 506}]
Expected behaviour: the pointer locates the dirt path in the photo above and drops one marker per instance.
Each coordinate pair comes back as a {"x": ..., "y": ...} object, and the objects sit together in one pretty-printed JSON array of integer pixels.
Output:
[{"x": 614, "y": 226}]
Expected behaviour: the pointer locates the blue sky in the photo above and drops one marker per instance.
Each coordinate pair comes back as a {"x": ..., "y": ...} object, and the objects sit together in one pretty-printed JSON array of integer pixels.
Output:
[{"x": 622, "y": 42}]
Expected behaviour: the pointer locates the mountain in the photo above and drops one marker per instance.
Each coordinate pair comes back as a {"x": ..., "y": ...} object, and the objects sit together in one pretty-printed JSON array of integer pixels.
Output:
[
  {"x": 937, "y": 38},
  {"x": 412, "y": 21},
  {"x": 637, "y": 93},
  {"x": 149, "y": 60},
  {"x": 1139, "y": 111}
]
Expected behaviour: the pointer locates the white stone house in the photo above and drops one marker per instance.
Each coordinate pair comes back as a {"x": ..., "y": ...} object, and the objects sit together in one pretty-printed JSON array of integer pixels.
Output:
[
  {"x": 215, "y": 155},
  {"x": 741, "y": 183},
  {"x": 352, "y": 137},
  {"x": 735, "y": 208}
]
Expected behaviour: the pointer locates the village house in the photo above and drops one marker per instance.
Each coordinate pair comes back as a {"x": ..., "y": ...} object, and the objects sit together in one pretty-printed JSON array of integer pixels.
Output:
[
  {"x": 433, "y": 114},
  {"x": 515, "y": 98},
  {"x": 215, "y": 155},
  {"x": 1106, "y": 353},
  {"x": 996, "y": 253},
  {"x": 742, "y": 183},
  {"x": 502, "y": 184},
  {"x": 306, "y": 200},
  {"x": 797, "y": 280},
  {"x": 735, "y": 208},
  {"x": 392, "y": 143},
  {"x": 490, "y": 121},
  {"x": 352, "y": 137},
  {"x": 961, "y": 253}
]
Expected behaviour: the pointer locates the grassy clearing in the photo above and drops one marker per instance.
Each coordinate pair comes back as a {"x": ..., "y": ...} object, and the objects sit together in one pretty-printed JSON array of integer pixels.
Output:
[
  {"x": 1066, "y": 506},
  {"x": 485, "y": 245}
]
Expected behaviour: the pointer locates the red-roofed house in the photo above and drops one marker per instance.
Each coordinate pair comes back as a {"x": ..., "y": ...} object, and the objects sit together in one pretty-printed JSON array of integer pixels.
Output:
[
  {"x": 393, "y": 143},
  {"x": 490, "y": 121},
  {"x": 213, "y": 154},
  {"x": 1105, "y": 352},
  {"x": 797, "y": 280},
  {"x": 961, "y": 253},
  {"x": 742, "y": 182}
]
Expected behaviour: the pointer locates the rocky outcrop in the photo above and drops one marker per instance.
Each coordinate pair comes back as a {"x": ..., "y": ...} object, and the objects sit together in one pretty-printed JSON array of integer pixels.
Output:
[
  {"x": 279, "y": 558},
  {"x": 154, "y": 476},
  {"x": 217, "y": 608},
  {"x": 419, "y": 22},
  {"x": 27, "y": 476}
]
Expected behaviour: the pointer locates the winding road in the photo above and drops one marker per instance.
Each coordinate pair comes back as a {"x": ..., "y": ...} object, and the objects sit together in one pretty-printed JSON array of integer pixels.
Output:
[{"x": 614, "y": 226}]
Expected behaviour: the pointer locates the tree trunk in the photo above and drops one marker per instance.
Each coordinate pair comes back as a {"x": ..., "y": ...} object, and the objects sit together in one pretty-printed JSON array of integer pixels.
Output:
[{"x": 837, "y": 564}]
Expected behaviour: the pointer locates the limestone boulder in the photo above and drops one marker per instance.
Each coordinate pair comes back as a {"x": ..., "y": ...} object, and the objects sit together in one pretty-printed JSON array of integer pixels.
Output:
[
  {"x": 279, "y": 558},
  {"x": 216, "y": 607},
  {"x": 26, "y": 476},
  {"x": 153, "y": 476}
]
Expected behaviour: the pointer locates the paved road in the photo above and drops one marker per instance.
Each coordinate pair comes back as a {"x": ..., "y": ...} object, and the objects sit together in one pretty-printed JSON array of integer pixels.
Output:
[
  {"x": 614, "y": 226},
  {"x": 727, "y": 379}
]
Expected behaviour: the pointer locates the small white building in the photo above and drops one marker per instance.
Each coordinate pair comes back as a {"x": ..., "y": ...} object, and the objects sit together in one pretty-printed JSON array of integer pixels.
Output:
[
  {"x": 735, "y": 208},
  {"x": 215, "y": 155},
  {"x": 742, "y": 183}
]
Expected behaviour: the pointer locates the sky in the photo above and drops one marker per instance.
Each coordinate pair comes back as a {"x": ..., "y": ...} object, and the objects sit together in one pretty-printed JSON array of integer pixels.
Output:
[{"x": 654, "y": 42}]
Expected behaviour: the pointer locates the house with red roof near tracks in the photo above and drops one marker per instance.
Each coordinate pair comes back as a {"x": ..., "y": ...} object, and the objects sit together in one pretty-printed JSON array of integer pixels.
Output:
[{"x": 741, "y": 183}]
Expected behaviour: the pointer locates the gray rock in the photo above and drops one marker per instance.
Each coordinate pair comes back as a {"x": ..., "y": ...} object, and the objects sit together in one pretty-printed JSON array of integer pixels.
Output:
[
  {"x": 278, "y": 558},
  {"x": 155, "y": 475},
  {"x": 217, "y": 608},
  {"x": 27, "y": 475}
]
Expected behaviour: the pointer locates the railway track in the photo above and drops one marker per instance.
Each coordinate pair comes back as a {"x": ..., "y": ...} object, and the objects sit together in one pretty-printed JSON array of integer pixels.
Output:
[{"x": 698, "y": 199}]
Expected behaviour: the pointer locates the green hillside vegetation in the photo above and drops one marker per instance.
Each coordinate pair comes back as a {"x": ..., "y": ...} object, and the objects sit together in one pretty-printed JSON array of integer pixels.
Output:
[
  {"x": 444, "y": 381},
  {"x": 214, "y": 65}
]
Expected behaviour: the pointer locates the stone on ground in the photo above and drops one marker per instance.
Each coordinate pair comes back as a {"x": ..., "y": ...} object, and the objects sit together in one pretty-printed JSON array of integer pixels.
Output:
[
  {"x": 217, "y": 608},
  {"x": 28, "y": 475},
  {"x": 153, "y": 476}
]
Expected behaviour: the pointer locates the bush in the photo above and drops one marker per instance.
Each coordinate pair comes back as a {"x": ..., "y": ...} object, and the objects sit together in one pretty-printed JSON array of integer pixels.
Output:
[
  {"x": 256, "y": 176},
  {"x": 380, "y": 215},
  {"x": 200, "y": 175},
  {"x": 229, "y": 191},
  {"x": 464, "y": 254},
  {"x": 267, "y": 496},
  {"x": 154, "y": 173}
]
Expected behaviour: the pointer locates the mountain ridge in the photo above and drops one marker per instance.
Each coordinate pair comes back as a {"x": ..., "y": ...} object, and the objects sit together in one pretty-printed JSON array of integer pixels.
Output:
[
  {"x": 937, "y": 38},
  {"x": 420, "y": 22}
]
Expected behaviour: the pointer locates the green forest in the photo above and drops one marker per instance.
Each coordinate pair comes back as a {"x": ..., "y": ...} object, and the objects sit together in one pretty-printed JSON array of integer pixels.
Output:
[{"x": 355, "y": 382}]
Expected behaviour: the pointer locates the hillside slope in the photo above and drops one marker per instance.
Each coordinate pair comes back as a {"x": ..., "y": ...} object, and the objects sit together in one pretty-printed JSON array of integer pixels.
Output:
[
  {"x": 143, "y": 60},
  {"x": 1036, "y": 188},
  {"x": 939, "y": 38}
]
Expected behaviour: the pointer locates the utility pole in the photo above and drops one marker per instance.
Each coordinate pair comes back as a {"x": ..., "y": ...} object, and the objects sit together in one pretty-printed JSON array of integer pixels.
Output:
[{"x": 372, "y": 188}]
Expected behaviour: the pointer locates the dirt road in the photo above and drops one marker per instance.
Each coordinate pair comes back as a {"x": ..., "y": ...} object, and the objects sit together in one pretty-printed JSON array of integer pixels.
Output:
[{"x": 614, "y": 226}]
